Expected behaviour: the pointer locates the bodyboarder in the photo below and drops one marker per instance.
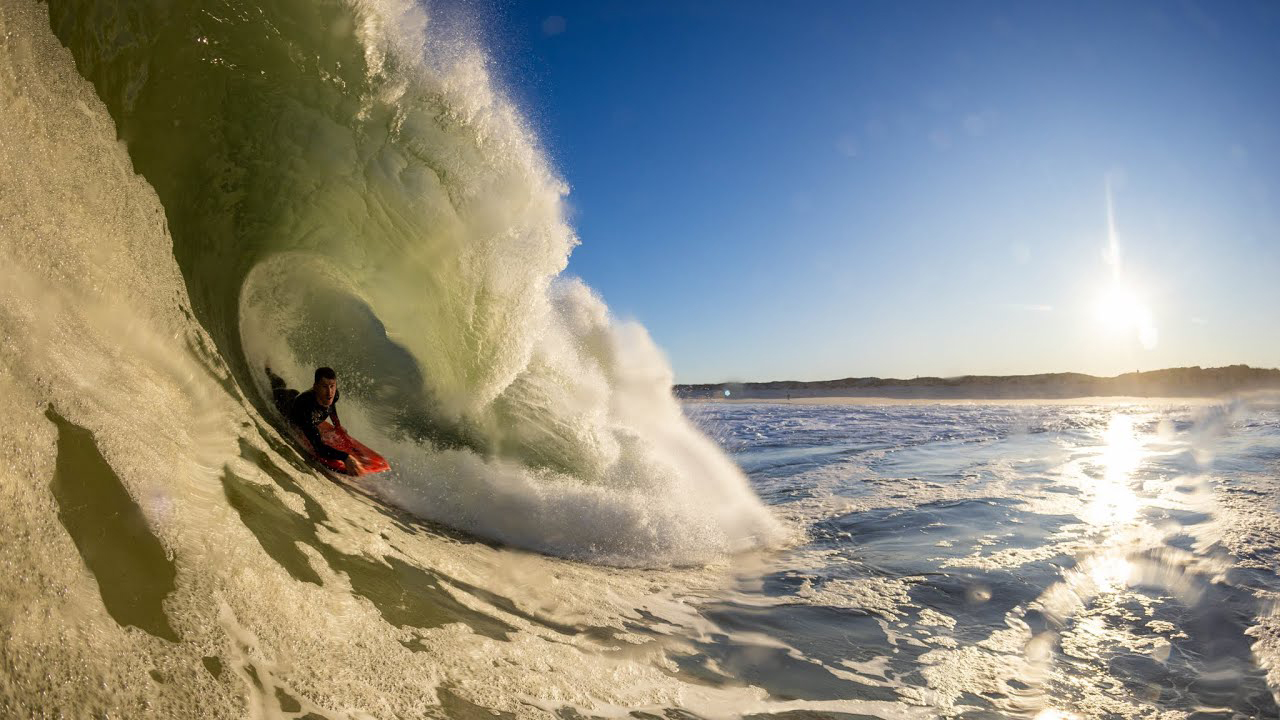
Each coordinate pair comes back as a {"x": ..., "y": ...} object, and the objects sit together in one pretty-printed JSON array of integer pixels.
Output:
[{"x": 306, "y": 410}]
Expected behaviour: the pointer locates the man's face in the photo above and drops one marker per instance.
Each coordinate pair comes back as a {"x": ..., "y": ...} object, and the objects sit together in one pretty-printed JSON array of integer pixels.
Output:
[{"x": 326, "y": 389}]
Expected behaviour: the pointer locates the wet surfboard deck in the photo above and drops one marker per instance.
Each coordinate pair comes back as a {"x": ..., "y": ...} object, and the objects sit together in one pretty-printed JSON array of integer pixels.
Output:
[{"x": 338, "y": 438}]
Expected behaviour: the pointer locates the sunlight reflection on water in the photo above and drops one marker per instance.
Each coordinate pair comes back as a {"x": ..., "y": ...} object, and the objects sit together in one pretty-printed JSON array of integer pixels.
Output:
[
  {"x": 1035, "y": 562},
  {"x": 1098, "y": 607},
  {"x": 1114, "y": 501}
]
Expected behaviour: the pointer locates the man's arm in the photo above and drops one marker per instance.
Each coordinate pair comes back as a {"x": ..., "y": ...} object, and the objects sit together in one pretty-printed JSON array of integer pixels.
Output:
[{"x": 317, "y": 443}]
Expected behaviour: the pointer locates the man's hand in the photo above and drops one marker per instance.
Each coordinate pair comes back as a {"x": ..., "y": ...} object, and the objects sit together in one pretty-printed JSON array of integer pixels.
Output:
[{"x": 354, "y": 467}]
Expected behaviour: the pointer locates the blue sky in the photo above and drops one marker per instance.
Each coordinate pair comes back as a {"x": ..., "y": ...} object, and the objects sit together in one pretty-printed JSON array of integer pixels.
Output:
[{"x": 819, "y": 190}]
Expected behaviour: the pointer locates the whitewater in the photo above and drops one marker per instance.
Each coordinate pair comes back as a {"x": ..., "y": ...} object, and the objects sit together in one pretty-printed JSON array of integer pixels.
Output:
[{"x": 190, "y": 191}]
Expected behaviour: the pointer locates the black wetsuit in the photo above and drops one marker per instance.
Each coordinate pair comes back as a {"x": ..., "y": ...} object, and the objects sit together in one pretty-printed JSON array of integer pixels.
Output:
[{"x": 305, "y": 413}]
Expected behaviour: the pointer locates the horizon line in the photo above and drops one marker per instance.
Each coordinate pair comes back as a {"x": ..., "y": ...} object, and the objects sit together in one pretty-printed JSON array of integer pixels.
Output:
[{"x": 1243, "y": 366}]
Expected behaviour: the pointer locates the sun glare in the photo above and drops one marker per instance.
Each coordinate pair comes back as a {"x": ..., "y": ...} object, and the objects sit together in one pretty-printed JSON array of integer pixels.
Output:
[
  {"x": 1122, "y": 311},
  {"x": 1110, "y": 572}
]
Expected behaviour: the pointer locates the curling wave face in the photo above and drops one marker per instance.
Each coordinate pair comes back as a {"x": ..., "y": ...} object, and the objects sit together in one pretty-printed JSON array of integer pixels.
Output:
[{"x": 345, "y": 186}]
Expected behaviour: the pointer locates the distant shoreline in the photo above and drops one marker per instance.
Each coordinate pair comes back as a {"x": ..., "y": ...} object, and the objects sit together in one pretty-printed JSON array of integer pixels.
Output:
[
  {"x": 872, "y": 400},
  {"x": 1185, "y": 384}
]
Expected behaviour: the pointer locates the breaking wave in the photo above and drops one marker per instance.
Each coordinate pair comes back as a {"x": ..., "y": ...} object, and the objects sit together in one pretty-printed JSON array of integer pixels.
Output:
[{"x": 343, "y": 184}]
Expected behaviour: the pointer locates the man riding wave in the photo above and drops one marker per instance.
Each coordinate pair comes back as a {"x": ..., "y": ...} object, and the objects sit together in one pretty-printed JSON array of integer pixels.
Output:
[{"x": 306, "y": 410}]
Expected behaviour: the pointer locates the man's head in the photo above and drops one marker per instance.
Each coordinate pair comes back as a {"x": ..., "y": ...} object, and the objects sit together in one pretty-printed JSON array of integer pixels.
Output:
[{"x": 326, "y": 386}]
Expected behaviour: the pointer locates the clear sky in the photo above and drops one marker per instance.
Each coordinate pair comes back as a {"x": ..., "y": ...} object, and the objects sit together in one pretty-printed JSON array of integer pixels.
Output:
[{"x": 815, "y": 190}]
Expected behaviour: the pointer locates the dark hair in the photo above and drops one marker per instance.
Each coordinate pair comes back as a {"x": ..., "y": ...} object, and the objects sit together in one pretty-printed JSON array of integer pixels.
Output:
[{"x": 325, "y": 373}]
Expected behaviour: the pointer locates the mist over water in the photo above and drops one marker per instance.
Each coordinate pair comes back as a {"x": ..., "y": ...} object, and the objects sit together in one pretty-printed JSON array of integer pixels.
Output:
[{"x": 192, "y": 190}]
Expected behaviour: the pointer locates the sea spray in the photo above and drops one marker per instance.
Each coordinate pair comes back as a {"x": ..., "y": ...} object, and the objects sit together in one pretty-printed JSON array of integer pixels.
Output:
[{"x": 624, "y": 478}]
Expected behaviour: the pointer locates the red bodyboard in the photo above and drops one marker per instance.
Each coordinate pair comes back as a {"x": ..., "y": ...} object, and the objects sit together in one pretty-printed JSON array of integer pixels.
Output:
[{"x": 338, "y": 438}]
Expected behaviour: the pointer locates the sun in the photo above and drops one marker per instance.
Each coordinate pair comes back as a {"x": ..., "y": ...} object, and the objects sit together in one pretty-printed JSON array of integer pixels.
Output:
[
  {"x": 1122, "y": 310},
  {"x": 1119, "y": 307}
]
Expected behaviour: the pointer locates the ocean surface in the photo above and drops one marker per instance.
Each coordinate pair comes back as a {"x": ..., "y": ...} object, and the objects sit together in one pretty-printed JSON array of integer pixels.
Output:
[
  {"x": 191, "y": 190},
  {"x": 1091, "y": 559}
]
